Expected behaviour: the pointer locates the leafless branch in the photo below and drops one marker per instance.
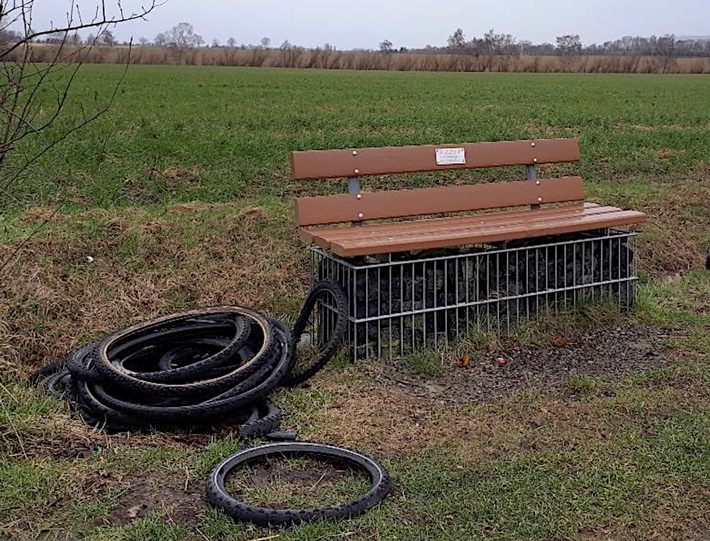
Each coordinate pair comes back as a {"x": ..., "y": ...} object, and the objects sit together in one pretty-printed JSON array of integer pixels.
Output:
[
  {"x": 102, "y": 19},
  {"x": 24, "y": 111}
]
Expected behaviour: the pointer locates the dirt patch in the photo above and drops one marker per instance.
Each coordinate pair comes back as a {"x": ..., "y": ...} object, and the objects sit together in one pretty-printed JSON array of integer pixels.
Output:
[
  {"x": 306, "y": 472},
  {"x": 169, "y": 496},
  {"x": 541, "y": 398},
  {"x": 603, "y": 355},
  {"x": 297, "y": 482}
]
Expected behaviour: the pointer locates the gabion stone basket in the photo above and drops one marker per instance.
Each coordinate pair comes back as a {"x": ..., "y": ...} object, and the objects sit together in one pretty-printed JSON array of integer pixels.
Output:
[{"x": 400, "y": 303}]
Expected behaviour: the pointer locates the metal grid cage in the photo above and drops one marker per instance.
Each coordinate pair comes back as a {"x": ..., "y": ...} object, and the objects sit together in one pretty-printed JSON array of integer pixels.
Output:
[{"x": 399, "y": 303}]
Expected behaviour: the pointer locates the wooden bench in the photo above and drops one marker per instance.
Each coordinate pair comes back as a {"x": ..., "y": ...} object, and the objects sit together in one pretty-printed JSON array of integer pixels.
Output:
[{"x": 554, "y": 205}]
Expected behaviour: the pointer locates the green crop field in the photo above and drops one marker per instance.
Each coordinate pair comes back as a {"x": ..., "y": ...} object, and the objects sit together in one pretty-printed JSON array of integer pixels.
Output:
[{"x": 180, "y": 196}]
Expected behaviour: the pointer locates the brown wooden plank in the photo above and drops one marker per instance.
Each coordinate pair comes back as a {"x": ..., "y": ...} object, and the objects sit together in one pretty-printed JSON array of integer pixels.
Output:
[
  {"x": 318, "y": 164},
  {"x": 421, "y": 227},
  {"x": 342, "y": 232},
  {"x": 402, "y": 203},
  {"x": 532, "y": 220},
  {"x": 323, "y": 237},
  {"x": 475, "y": 235}
]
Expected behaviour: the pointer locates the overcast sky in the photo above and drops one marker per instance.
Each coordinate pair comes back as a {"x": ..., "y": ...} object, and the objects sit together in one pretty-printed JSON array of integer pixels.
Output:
[{"x": 407, "y": 23}]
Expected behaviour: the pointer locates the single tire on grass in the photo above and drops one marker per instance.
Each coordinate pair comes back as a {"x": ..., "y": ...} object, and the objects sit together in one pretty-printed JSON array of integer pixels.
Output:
[{"x": 218, "y": 496}]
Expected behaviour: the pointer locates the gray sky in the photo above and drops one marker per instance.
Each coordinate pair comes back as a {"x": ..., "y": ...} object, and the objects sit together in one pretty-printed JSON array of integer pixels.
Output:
[{"x": 408, "y": 23}]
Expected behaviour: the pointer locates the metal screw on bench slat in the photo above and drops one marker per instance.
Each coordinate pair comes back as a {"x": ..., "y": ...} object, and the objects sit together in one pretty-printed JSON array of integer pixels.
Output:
[
  {"x": 532, "y": 144},
  {"x": 359, "y": 196},
  {"x": 534, "y": 160},
  {"x": 361, "y": 215},
  {"x": 357, "y": 171},
  {"x": 537, "y": 182},
  {"x": 539, "y": 199},
  {"x": 354, "y": 152}
]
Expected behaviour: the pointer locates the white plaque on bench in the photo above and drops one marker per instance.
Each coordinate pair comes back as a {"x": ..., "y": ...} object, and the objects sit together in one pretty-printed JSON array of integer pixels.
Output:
[{"x": 450, "y": 156}]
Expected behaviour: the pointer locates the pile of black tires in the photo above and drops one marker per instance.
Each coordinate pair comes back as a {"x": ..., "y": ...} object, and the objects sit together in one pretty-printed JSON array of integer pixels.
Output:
[
  {"x": 208, "y": 366},
  {"x": 193, "y": 368}
]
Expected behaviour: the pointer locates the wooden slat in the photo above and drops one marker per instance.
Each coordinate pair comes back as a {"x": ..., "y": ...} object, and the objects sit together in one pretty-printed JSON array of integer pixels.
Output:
[
  {"x": 318, "y": 164},
  {"x": 503, "y": 219},
  {"x": 475, "y": 235},
  {"x": 324, "y": 237},
  {"x": 402, "y": 203}
]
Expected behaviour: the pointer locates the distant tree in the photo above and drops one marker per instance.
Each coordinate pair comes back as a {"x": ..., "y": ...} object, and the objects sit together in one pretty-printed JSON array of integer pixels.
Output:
[
  {"x": 143, "y": 42},
  {"x": 290, "y": 54},
  {"x": 106, "y": 38},
  {"x": 665, "y": 47},
  {"x": 456, "y": 42},
  {"x": 9, "y": 36},
  {"x": 545, "y": 49},
  {"x": 266, "y": 42},
  {"x": 182, "y": 37},
  {"x": 525, "y": 47},
  {"x": 569, "y": 45},
  {"x": 161, "y": 40},
  {"x": 499, "y": 44},
  {"x": 215, "y": 43},
  {"x": 386, "y": 47},
  {"x": 231, "y": 42}
]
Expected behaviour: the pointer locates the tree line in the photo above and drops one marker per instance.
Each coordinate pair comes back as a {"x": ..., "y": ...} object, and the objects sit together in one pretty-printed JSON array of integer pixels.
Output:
[
  {"x": 183, "y": 37},
  {"x": 571, "y": 45}
]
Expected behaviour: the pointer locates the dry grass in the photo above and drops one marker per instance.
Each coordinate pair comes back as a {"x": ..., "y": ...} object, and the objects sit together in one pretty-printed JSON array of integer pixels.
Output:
[
  {"x": 318, "y": 59},
  {"x": 67, "y": 289},
  {"x": 684, "y": 209},
  {"x": 374, "y": 416}
]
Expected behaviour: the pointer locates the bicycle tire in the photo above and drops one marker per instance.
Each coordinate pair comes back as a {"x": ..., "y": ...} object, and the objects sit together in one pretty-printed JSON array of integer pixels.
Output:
[
  {"x": 101, "y": 355},
  {"x": 335, "y": 339},
  {"x": 217, "y": 495},
  {"x": 47, "y": 370},
  {"x": 263, "y": 420}
]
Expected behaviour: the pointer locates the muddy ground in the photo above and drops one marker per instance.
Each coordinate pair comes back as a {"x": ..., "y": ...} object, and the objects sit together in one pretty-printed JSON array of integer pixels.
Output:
[{"x": 567, "y": 366}]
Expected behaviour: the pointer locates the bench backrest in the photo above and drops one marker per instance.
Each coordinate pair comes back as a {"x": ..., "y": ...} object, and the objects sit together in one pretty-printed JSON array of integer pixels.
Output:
[{"x": 355, "y": 163}]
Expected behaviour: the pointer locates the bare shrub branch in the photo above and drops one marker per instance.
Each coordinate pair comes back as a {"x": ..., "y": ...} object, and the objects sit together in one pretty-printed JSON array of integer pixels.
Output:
[{"x": 27, "y": 70}]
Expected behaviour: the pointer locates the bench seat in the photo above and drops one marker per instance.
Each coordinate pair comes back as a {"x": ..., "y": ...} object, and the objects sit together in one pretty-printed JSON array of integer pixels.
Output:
[{"x": 384, "y": 238}]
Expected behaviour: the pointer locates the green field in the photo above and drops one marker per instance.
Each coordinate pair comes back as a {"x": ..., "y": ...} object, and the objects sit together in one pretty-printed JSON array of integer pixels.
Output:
[{"x": 181, "y": 195}]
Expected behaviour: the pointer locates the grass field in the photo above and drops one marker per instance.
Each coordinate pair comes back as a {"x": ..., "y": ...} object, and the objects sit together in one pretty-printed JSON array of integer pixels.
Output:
[{"x": 181, "y": 195}]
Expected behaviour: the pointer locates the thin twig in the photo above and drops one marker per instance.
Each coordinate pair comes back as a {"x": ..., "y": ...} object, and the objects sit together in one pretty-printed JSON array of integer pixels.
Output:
[
  {"x": 267, "y": 538},
  {"x": 318, "y": 482}
]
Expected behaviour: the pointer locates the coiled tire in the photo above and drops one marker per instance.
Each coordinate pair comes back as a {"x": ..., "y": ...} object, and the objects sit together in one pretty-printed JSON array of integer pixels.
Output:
[
  {"x": 198, "y": 366},
  {"x": 132, "y": 338},
  {"x": 321, "y": 290},
  {"x": 218, "y": 496},
  {"x": 47, "y": 370},
  {"x": 109, "y": 388},
  {"x": 263, "y": 419}
]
